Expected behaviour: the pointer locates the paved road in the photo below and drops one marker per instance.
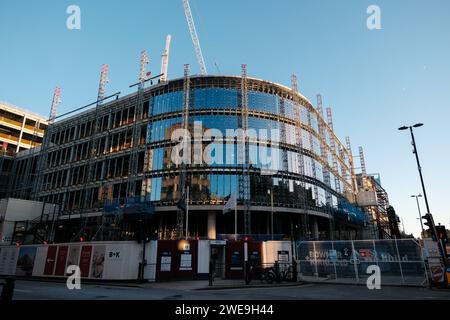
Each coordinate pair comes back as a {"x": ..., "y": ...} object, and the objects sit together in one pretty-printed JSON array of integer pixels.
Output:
[{"x": 34, "y": 290}]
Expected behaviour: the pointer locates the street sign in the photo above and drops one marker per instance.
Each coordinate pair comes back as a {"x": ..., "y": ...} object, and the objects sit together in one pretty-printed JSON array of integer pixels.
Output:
[
  {"x": 431, "y": 252},
  {"x": 283, "y": 256},
  {"x": 437, "y": 273}
]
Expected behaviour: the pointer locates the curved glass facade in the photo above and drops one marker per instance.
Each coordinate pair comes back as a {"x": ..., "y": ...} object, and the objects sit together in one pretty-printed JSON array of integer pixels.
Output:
[{"x": 308, "y": 170}]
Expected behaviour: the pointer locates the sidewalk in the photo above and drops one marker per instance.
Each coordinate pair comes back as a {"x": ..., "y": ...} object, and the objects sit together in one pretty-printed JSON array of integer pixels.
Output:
[
  {"x": 223, "y": 284},
  {"x": 218, "y": 284},
  {"x": 182, "y": 285},
  {"x": 362, "y": 281}
]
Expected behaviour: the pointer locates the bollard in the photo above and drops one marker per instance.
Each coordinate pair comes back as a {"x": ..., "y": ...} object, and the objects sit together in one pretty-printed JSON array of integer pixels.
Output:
[
  {"x": 277, "y": 272},
  {"x": 294, "y": 271},
  {"x": 8, "y": 290},
  {"x": 210, "y": 275},
  {"x": 247, "y": 273}
]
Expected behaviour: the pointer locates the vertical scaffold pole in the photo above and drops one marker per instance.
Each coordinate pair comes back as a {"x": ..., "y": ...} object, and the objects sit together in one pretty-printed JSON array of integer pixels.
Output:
[{"x": 244, "y": 178}]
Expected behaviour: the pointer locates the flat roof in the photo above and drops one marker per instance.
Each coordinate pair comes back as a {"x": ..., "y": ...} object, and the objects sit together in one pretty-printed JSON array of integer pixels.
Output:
[{"x": 22, "y": 111}]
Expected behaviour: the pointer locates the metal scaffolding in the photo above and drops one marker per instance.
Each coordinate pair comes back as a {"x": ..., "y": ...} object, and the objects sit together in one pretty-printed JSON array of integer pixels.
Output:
[
  {"x": 301, "y": 159},
  {"x": 244, "y": 178},
  {"x": 183, "y": 176}
]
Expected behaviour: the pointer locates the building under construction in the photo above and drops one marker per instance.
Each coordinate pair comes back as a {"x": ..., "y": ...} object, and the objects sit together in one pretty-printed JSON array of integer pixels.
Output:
[
  {"x": 374, "y": 200},
  {"x": 260, "y": 150},
  {"x": 20, "y": 130},
  {"x": 110, "y": 168}
]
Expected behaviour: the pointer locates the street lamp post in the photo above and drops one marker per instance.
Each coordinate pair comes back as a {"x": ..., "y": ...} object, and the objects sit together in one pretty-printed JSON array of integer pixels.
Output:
[
  {"x": 420, "y": 214},
  {"x": 433, "y": 227}
]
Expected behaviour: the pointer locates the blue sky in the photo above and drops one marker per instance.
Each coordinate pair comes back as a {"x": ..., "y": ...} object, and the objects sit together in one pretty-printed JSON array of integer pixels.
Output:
[{"x": 375, "y": 80}]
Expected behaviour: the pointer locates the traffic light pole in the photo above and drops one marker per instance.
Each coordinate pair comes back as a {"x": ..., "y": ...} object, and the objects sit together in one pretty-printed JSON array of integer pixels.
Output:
[
  {"x": 420, "y": 216},
  {"x": 432, "y": 226}
]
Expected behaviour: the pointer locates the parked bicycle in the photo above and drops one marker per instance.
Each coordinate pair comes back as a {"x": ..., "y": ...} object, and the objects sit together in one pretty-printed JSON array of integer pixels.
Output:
[
  {"x": 270, "y": 274},
  {"x": 287, "y": 274}
]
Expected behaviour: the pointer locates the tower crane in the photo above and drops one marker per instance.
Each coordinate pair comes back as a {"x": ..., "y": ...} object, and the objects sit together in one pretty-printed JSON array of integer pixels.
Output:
[
  {"x": 165, "y": 59},
  {"x": 194, "y": 37}
]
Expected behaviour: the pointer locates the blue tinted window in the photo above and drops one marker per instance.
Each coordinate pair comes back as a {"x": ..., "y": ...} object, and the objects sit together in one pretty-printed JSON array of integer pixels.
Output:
[
  {"x": 165, "y": 103},
  {"x": 215, "y": 98},
  {"x": 156, "y": 189},
  {"x": 263, "y": 102}
]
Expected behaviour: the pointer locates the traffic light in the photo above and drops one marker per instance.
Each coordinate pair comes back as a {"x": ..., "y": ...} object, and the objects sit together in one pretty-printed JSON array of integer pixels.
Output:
[
  {"x": 442, "y": 234},
  {"x": 430, "y": 224}
]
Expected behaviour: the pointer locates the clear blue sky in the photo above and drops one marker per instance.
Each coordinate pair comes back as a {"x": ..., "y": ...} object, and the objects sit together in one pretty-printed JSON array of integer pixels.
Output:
[{"x": 375, "y": 81}]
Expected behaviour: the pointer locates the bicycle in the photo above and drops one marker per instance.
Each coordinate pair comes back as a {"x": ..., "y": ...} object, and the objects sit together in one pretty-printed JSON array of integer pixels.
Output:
[
  {"x": 287, "y": 275},
  {"x": 267, "y": 275}
]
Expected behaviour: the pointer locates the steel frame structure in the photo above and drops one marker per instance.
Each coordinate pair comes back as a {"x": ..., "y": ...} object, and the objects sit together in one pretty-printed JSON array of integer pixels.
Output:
[{"x": 103, "y": 145}]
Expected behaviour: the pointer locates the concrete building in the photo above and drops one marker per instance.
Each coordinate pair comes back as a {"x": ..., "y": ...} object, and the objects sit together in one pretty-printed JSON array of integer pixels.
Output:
[
  {"x": 108, "y": 162},
  {"x": 19, "y": 130}
]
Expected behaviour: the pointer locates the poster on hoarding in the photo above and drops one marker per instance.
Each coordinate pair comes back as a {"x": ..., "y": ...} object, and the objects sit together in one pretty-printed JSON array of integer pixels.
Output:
[
  {"x": 114, "y": 253},
  {"x": 25, "y": 261},
  {"x": 332, "y": 255},
  {"x": 166, "y": 261},
  {"x": 236, "y": 261},
  {"x": 8, "y": 260},
  {"x": 85, "y": 260},
  {"x": 74, "y": 256},
  {"x": 186, "y": 261},
  {"x": 50, "y": 260},
  {"x": 60, "y": 269},
  {"x": 98, "y": 262},
  {"x": 254, "y": 258}
]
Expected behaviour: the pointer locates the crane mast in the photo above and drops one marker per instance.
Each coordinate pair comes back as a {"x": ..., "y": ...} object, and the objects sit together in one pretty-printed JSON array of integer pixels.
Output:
[
  {"x": 194, "y": 37},
  {"x": 165, "y": 59},
  {"x": 56, "y": 101}
]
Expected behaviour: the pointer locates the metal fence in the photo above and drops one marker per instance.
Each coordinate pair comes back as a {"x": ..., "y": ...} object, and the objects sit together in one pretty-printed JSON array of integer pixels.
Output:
[{"x": 400, "y": 261}]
